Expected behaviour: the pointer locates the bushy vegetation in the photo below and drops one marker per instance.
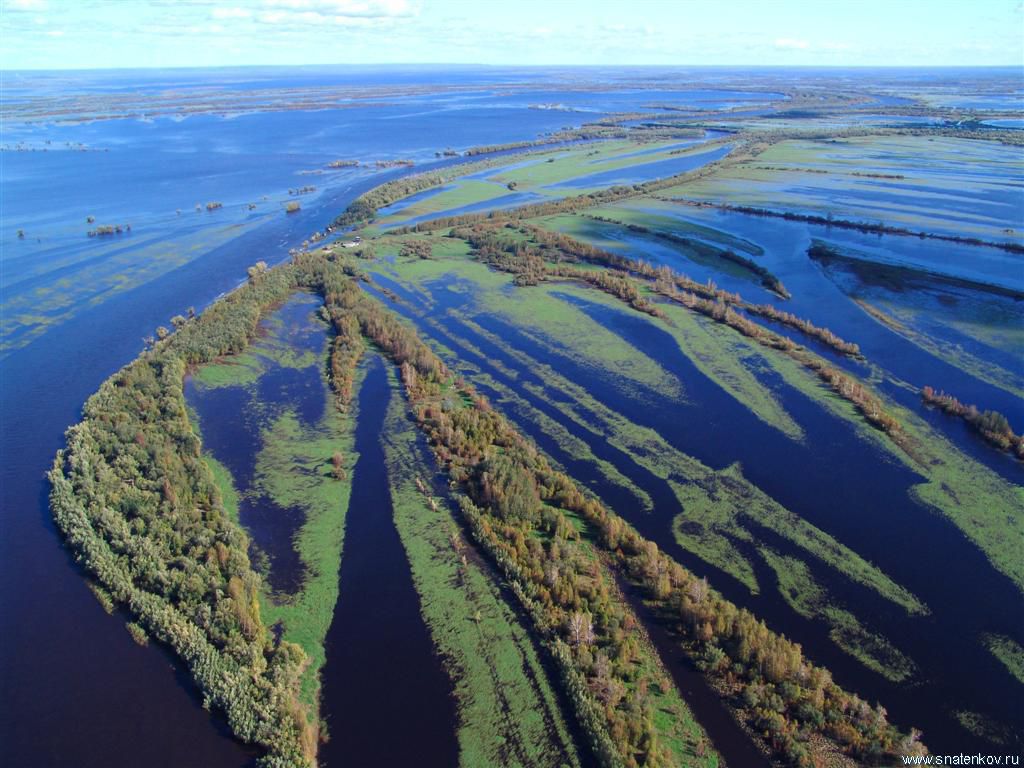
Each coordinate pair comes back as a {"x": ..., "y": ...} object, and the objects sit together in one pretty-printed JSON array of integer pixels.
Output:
[
  {"x": 143, "y": 515},
  {"x": 991, "y": 425},
  {"x": 866, "y": 402},
  {"x": 824, "y": 335},
  {"x": 364, "y": 208},
  {"x": 610, "y": 675},
  {"x": 530, "y": 264},
  {"x": 105, "y": 230},
  {"x": 509, "y": 714},
  {"x": 140, "y": 510},
  {"x": 416, "y": 249}
]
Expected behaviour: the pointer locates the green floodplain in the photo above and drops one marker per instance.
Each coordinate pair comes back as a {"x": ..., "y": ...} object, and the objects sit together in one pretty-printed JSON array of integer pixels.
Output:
[{"x": 577, "y": 344}]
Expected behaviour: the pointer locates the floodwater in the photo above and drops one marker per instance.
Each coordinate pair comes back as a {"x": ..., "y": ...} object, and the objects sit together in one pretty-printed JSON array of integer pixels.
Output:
[
  {"x": 77, "y": 690},
  {"x": 64, "y": 660},
  {"x": 387, "y": 699},
  {"x": 638, "y": 174},
  {"x": 865, "y": 506},
  {"x": 232, "y": 420},
  {"x": 385, "y": 693}
]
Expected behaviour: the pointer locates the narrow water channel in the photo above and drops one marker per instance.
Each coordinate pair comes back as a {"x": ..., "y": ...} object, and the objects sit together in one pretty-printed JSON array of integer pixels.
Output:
[{"x": 386, "y": 697}]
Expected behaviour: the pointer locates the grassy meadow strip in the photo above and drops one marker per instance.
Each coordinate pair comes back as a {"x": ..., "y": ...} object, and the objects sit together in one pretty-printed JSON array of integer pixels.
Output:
[{"x": 508, "y": 712}]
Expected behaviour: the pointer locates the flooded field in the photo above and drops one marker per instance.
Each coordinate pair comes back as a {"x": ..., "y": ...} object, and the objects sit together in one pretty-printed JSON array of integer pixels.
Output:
[
  {"x": 744, "y": 390},
  {"x": 523, "y": 350},
  {"x": 925, "y": 184}
]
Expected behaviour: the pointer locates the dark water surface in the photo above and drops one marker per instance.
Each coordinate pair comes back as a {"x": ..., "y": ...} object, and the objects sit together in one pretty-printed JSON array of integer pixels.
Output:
[{"x": 387, "y": 698}]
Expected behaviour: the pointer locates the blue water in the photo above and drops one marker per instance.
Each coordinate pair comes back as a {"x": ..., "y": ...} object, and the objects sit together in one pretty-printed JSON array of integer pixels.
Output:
[
  {"x": 637, "y": 174},
  {"x": 74, "y": 308},
  {"x": 1005, "y": 123},
  {"x": 818, "y": 299}
]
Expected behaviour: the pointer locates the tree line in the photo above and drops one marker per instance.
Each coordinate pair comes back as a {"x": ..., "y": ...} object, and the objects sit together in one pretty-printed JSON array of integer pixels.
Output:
[
  {"x": 768, "y": 280},
  {"x": 138, "y": 506},
  {"x": 991, "y": 425}
]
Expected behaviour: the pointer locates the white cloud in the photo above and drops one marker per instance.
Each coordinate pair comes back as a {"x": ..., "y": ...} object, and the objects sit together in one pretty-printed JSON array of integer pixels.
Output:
[
  {"x": 25, "y": 5},
  {"x": 55, "y": 33},
  {"x": 231, "y": 13},
  {"x": 351, "y": 8},
  {"x": 788, "y": 43},
  {"x": 304, "y": 14}
]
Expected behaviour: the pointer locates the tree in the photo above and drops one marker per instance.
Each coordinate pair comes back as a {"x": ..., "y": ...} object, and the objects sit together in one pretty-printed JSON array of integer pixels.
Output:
[
  {"x": 257, "y": 271},
  {"x": 581, "y": 628},
  {"x": 338, "y": 468}
]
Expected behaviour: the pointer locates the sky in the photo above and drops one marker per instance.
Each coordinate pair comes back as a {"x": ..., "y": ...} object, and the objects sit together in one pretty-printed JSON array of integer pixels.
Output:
[{"x": 78, "y": 34}]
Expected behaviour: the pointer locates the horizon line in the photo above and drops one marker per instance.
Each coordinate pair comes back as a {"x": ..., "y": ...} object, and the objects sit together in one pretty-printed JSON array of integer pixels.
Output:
[{"x": 464, "y": 65}]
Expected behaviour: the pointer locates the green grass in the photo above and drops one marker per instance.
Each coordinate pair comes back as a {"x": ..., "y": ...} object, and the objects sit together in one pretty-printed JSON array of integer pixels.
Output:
[
  {"x": 719, "y": 353},
  {"x": 900, "y": 319},
  {"x": 510, "y": 401},
  {"x": 279, "y": 346},
  {"x": 658, "y": 215},
  {"x": 725, "y": 499},
  {"x": 612, "y": 236},
  {"x": 580, "y": 162},
  {"x": 678, "y": 732},
  {"x": 728, "y": 359},
  {"x": 810, "y": 599},
  {"x": 103, "y": 270},
  {"x": 722, "y": 502},
  {"x": 536, "y": 175},
  {"x": 293, "y": 469},
  {"x": 723, "y": 509},
  {"x": 1009, "y": 652},
  {"x": 226, "y": 485},
  {"x": 548, "y": 320},
  {"x": 462, "y": 192},
  {"x": 508, "y": 712},
  {"x": 233, "y": 371},
  {"x": 982, "y": 504}
]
